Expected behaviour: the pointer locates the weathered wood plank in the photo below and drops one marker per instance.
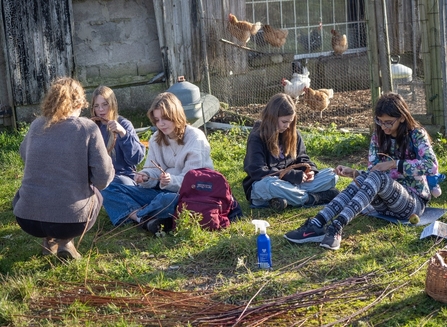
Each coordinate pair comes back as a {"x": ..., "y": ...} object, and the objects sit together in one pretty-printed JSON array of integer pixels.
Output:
[{"x": 39, "y": 47}]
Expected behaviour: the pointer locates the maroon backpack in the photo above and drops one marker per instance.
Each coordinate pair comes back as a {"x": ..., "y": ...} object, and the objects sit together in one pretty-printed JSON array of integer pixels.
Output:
[{"x": 207, "y": 191}]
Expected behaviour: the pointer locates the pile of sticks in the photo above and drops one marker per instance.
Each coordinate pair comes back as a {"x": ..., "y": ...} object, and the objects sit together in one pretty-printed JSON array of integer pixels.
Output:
[{"x": 149, "y": 306}]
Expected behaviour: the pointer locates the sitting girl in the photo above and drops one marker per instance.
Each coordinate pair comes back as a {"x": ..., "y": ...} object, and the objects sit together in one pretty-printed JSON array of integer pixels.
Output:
[
  {"x": 395, "y": 184},
  {"x": 174, "y": 149},
  {"x": 279, "y": 171}
]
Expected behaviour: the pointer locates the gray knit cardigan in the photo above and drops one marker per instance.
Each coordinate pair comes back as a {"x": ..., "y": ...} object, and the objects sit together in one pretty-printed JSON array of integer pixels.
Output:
[{"x": 61, "y": 162}]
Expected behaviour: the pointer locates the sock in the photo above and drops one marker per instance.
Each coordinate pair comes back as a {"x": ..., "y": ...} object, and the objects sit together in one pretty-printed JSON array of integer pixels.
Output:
[
  {"x": 342, "y": 221},
  {"x": 337, "y": 225},
  {"x": 318, "y": 220}
]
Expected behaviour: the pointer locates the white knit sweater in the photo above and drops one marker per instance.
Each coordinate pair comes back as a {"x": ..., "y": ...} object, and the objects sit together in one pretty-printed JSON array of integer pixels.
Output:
[{"x": 177, "y": 159}]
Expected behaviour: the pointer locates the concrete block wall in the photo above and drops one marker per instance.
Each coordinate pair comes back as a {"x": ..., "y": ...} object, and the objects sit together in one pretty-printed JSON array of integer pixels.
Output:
[{"x": 115, "y": 43}]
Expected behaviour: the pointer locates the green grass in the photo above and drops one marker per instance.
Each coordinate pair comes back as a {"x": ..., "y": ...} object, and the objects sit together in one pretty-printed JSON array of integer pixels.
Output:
[{"x": 130, "y": 278}]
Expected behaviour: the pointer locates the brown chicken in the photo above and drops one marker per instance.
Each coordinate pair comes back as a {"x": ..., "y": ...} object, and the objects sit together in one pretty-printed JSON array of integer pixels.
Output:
[
  {"x": 318, "y": 100},
  {"x": 242, "y": 30},
  {"x": 339, "y": 42},
  {"x": 276, "y": 37}
]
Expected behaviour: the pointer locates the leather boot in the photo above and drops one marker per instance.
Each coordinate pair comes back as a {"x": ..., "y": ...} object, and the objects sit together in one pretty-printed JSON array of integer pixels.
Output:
[
  {"x": 49, "y": 246},
  {"x": 67, "y": 250}
]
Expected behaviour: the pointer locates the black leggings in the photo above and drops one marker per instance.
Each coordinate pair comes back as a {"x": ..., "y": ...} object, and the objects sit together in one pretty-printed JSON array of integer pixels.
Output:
[
  {"x": 62, "y": 230},
  {"x": 54, "y": 230}
]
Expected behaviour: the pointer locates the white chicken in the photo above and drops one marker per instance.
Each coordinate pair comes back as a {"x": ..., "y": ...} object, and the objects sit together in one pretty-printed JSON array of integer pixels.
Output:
[{"x": 295, "y": 87}]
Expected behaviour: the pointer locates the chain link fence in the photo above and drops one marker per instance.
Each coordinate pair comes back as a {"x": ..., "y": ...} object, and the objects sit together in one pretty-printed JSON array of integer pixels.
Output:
[{"x": 245, "y": 76}]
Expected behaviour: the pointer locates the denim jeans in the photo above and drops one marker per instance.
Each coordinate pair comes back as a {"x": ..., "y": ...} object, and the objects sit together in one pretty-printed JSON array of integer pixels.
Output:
[
  {"x": 296, "y": 195},
  {"x": 120, "y": 200},
  {"x": 122, "y": 179}
]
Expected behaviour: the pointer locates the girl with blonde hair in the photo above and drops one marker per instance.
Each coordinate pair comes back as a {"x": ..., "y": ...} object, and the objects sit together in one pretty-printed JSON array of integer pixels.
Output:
[
  {"x": 66, "y": 162},
  {"x": 174, "y": 149}
]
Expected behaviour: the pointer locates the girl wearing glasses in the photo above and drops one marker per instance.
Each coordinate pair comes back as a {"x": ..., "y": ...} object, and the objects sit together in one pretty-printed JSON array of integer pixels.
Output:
[
  {"x": 395, "y": 184},
  {"x": 123, "y": 144}
]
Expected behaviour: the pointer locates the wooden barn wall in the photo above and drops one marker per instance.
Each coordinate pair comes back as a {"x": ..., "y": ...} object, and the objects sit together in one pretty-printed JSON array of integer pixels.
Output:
[
  {"x": 178, "y": 25},
  {"x": 38, "y": 45},
  {"x": 216, "y": 21}
]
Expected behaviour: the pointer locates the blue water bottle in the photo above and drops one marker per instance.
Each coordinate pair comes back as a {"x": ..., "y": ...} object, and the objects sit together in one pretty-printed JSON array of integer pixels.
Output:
[{"x": 263, "y": 244}]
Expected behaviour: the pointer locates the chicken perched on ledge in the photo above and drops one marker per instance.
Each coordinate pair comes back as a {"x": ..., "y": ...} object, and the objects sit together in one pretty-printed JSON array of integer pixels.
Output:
[
  {"x": 242, "y": 30},
  {"x": 276, "y": 37},
  {"x": 339, "y": 42},
  {"x": 295, "y": 87},
  {"x": 318, "y": 100}
]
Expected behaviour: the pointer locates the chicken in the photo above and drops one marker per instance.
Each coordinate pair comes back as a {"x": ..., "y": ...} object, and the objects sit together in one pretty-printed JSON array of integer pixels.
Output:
[
  {"x": 295, "y": 87},
  {"x": 276, "y": 37},
  {"x": 311, "y": 41},
  {"x": 339, "y": 42},
  {"x": 242, "y": 30},
  {"x": 318, "y": 100}
]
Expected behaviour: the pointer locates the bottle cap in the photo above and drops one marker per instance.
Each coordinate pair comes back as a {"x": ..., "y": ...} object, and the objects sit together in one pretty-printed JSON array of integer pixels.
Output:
[{"x": 261, "y": 225}]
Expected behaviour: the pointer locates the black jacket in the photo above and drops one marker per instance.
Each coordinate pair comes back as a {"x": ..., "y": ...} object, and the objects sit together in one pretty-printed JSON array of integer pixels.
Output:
[{"x": 259, "y": 162}]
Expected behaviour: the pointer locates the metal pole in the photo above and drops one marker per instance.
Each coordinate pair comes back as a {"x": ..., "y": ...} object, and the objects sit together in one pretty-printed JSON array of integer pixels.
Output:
[
  {"x": 204, "y": 46},
  {"x": 442, "y": 18}
]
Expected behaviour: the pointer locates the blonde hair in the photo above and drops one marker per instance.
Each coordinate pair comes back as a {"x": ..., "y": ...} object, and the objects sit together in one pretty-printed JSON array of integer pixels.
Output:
[
  {"x": 171, "y": 109},
  {"x": 108, "y": 95},
  {"x": 280, "y": 105},
  {"x": 64, "y": 96}
]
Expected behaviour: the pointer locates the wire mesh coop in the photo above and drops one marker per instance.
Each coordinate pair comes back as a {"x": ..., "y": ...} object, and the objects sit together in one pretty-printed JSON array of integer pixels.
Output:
[{"x": 246, "y": 74}]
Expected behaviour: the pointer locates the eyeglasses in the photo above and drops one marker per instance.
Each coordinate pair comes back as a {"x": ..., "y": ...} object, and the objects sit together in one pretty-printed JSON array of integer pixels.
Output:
[
  {"x": 385, "y": 124},
  {"x": 101, "y": 105}
]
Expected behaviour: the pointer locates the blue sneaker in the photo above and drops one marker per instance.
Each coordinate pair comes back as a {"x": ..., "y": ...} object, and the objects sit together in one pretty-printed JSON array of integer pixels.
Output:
[{"x": 308, "y": 232}]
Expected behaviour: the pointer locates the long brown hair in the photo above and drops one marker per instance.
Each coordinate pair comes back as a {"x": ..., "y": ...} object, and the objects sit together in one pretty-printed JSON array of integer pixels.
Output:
[
  {"x": 393, "y": 105},
  {"x": 279, "y": 105},
  {"x": 171, "y": 109},
  {"x": 64, "y": 96}
]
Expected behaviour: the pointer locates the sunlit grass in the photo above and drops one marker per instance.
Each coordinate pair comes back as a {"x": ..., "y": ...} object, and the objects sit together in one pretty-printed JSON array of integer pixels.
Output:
[{"x": 220, "y": 264}]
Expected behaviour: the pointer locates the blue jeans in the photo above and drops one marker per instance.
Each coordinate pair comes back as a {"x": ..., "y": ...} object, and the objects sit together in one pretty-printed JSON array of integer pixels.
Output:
[
  {"x": 123, "y": 179},
  {"x": 120, "y": 200},
  {"x": 296, "y": 195}
]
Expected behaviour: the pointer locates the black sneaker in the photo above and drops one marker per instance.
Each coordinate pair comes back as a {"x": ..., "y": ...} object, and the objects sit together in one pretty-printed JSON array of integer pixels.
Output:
[
  {"x": 156, "y": 225},
  {"x": 308, "y": 232},
  {"x": 278, "y": 204},
  {"x": 332, "y": 238},
  {"x": 323, "y": 197}
]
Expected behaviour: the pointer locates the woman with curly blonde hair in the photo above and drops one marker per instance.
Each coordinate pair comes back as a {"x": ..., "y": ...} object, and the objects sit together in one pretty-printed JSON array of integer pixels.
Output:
[{"x": 66, "y": 162}]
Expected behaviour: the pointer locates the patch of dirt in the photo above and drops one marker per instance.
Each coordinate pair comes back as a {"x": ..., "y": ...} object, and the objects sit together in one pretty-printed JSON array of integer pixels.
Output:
[{"x": 351, "y": 110}]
